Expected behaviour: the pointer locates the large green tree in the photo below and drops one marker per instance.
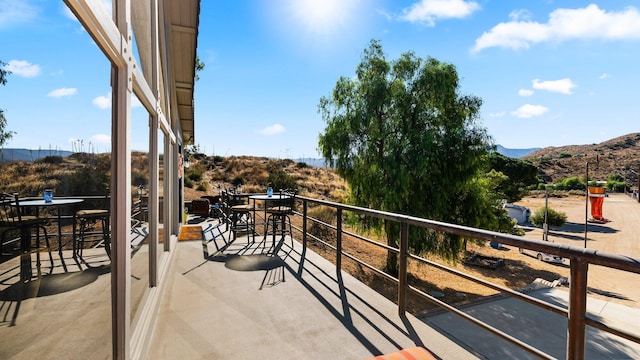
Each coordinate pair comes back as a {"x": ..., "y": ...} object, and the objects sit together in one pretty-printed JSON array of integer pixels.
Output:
[
  {"x": 520, "y": 174},
  {"x": 4, "y": 135},
  {"x": 407, "y": 141}
]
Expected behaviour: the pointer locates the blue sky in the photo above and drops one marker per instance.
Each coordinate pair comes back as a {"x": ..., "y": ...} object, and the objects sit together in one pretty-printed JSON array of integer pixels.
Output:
[{"x": 550, "y": 73}]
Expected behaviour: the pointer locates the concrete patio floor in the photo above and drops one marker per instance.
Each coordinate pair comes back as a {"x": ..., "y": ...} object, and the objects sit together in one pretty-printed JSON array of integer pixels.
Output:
[
  {"x": 240, "y": 304},
  {"x": 244, "y": 304}
]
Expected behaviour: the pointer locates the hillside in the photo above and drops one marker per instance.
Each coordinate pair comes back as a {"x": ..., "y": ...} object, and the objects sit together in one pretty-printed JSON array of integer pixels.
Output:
[
  {"x": 69, "y": 174},
  {"x": 11, "y": 155},
  {"x": 254, "y": 173},
  {"x": 515, "y": 153},
  {"x": 614, "y": 156}
]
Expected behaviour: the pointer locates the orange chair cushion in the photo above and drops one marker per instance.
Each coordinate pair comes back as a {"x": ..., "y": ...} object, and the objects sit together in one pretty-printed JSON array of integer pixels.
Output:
[{"x": 414, "y": 353}]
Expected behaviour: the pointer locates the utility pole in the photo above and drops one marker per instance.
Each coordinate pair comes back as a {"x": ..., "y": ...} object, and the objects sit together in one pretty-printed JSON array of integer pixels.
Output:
[
  {"x": 545, "y": 227},
  {"x": 586, "y": 201}
]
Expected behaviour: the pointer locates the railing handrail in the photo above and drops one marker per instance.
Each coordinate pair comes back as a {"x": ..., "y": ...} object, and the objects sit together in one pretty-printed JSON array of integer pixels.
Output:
[
  {"x": 595, "y": 257},
  {"x": 579, "y": 258}
]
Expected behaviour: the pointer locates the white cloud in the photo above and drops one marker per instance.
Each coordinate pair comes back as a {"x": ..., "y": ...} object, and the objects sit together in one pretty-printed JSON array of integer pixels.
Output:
[
  {"x": 100, "y": 139},
  {"x": 102, "y": 102},
  {"x": 520, "y": 14},
  {"x": 604, "y": 76},
  {"x": 23, "y": 68},
  {"x": 68, "y": 13},
  {"x": 528, "y": 111},
  {"x": 428, "y": 11},
  {"x": 272, "y": 129},
  {"x": 62, "y": 92},
  {"x": 15, "y": 12},
  {"x": 562, "y": 86},
  {"x": 590, "y": 22},
  {"x": 525, "y": 92}
]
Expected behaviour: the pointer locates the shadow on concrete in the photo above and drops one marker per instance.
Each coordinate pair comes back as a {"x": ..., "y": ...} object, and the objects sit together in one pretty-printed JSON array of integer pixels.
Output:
[
  {"x": 253, "y": 262},
  {"x": 578, "y": 228},
  {"x": 53, "y": 284}
]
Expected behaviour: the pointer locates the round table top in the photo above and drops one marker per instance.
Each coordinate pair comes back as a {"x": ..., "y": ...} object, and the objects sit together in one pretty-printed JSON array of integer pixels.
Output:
[
  {"x": 54, "y": 202},
  {"x": 275, "y": 196}
]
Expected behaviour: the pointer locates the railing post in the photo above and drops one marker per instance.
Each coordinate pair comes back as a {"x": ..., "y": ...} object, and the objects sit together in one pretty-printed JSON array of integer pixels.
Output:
[
  {"x": 402, "y": 269},
  {"x": 304, "y": 224},
  {"x": 339, "y": 240},
  {"x": 577, "y": 309}
]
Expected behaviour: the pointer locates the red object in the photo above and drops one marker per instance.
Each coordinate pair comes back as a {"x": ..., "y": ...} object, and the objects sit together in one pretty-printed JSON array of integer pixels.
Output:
[{"x": 596, "y": 197}]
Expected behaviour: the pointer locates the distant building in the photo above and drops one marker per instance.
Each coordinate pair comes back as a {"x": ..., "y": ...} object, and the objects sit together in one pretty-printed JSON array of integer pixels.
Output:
[{"x": 520, "y": 213}]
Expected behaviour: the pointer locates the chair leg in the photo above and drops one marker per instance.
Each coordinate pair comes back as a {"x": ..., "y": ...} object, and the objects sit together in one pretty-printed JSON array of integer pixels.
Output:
[
  {"x": 80, "y": 240},
  {"x": 46, "y": 240},
  {"x": 47, "y": 243},
  {"x": 106, "y": 236}
]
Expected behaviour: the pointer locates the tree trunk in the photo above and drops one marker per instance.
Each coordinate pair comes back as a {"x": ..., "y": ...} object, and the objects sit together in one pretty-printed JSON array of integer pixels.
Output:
[{"x": 391, "y": 267}]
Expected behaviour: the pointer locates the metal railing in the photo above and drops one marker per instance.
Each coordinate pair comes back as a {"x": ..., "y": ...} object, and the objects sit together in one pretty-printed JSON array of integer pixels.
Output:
[{"x": 579, "y": 262}]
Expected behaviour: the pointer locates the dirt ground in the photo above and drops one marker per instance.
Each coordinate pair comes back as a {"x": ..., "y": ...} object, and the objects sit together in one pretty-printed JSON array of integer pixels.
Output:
[{"x": 619, "y": 236}]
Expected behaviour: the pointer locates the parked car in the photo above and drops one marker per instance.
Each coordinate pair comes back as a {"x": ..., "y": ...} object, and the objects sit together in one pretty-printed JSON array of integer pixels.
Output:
[{"x": 543, "y": 256}]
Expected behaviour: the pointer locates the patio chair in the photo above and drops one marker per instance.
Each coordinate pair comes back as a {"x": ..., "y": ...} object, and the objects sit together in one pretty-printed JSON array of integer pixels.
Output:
[
  {"x": 215, "y": 206},
  {"x": 241, "y": 219},
  {"x": 14, "y": 218},
  {"x": 87, "y": 219},
  {"x": 279, "y": 215},
  {"x": 200, "y": 207}
]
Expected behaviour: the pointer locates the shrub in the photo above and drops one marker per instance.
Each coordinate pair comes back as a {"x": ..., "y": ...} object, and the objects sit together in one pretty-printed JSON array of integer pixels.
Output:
[
  {"x": 84, "y": 181},
  {"x": 279, "y": 179},
  {"x": 554, "y": 218},
  {"x": 237, "y": 180},
  {"x": 564, "y": 155},
  {"x": 194, "y": 173},
  {"x": 615, "y": 186},
  {"x": 301, "y": 165},
  {"x": 572, "y": 183},
  {"x": 188, "y": 183},
  {"x": 138, "y": 178},
  {"x": 615, "y": 178},
  {"x": 202, "y": 186},
  {"x": 52, "y": 159}
]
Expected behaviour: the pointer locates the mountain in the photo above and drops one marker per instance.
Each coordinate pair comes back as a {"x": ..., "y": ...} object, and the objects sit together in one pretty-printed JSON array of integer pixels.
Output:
[
  {"x": 515, "y": 153},
  {"x": 312, "y": 162},
  {"x": 512, "y": 153},
  {"x": 11, "y": 155},
  {"x": 619, "y": 155}
]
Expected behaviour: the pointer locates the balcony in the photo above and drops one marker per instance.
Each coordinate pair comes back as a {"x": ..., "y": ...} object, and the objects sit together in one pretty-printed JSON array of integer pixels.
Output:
[{"x": 229, "y": 300}]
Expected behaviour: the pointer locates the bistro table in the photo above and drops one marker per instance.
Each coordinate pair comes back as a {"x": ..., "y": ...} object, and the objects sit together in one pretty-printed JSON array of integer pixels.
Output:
[
  {"x": 25, "y": 263},
  {"x": 266, "y": 198}
]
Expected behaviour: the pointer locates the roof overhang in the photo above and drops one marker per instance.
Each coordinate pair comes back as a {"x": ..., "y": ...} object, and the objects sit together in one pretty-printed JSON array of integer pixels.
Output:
[{"x": 181, "y": 27}]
